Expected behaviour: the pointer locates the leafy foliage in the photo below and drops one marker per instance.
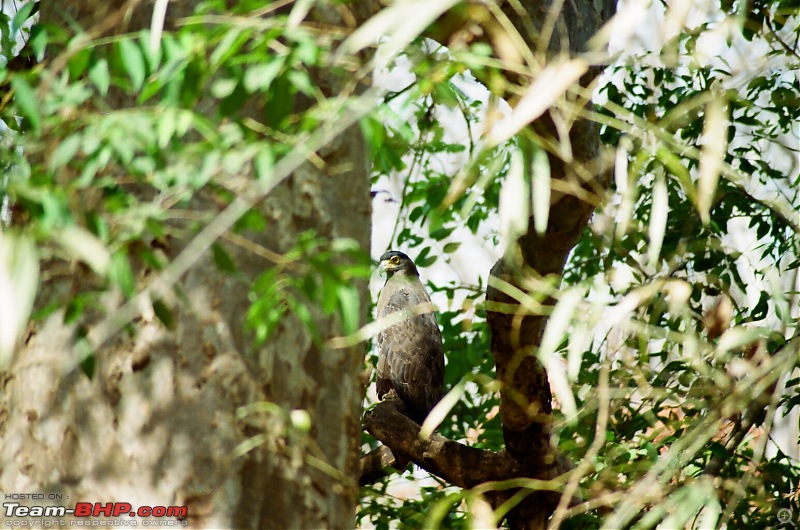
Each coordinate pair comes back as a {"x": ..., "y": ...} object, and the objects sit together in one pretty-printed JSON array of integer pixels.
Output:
[
  {"x": 74, "y": 163},
  {"x": 314, "y": 274},
  {"x": 675, "y": 382},
  {"x": 681, "y": 405}
]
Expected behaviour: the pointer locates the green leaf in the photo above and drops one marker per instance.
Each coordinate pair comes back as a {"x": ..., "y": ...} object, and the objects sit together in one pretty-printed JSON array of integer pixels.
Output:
[
  {"x": 449, "y": 248},
  {"x": 761, "y": 308},
  {"x": 25, "y": 98},
  {"x": 222, "y": 88},
  {"x": 78, "y": 62},
  {"x": 132, "y": 61},
  {"x": 26, "y": 11},
  {"x": 301, "y": 311},
  {"x": 88, "y": 365},
  {"x": 65, "y": 152},
  {"x": 280, "y": 103},
  {"x": 164, "y": 314},
  {"x": 260, "y": 76},
  {"x": 349, "y": 304},
  {"x": 222, "y": 259},
  {"x": 423, "y": 259},
  {"x": 445, "y": 93},
  {"x": 253, "y": 220},
  {"x": 121, "y": 275},
  {"x": 675, "y": 165},
  {"x": 264, "y": 163},
  {"x": 100, "y": 76},
  {"x": 75, "y": 307},
  {"x": 301, "y": 81},
  {"x": 228, "y": 46},
  {"x": 38, "y": 40},
  {"x": 441, "y": 233}
]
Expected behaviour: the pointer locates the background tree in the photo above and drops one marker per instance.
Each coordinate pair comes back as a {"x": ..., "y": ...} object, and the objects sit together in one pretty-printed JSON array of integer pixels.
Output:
[
  {"x": 671, "y": 350},
  {"x": 184, "y": 193},
  {"x": 197, "y": 201}
]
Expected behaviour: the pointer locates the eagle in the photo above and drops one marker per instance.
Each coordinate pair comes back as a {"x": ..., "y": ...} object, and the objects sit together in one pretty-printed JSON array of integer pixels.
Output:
[{"x": 410, "y": 358}]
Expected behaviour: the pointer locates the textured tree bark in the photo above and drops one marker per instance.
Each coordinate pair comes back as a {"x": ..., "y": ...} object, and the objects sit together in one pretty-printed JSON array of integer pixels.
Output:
[
  {"x": 526, "y": 404},
  {"x": 458, "y": 464},
  {"x": 157, "y": 424}
]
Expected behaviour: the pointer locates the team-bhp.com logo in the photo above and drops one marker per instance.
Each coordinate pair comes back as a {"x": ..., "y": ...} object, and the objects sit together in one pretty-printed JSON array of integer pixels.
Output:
[{"x": 87, "y": 514}]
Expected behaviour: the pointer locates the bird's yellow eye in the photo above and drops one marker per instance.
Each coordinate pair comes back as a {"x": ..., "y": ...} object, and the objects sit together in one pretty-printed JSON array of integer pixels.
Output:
[{"x": 395, "y": 260}]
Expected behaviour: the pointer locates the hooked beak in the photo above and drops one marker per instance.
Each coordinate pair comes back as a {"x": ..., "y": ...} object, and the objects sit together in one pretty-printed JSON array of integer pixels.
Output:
[{"x": 387, "y": 266}]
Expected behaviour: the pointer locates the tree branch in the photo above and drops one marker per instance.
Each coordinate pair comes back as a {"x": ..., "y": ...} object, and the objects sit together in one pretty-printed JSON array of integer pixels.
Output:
[
  {"x": 456, "y": 463},
  {"x": 379, "y": 463}
]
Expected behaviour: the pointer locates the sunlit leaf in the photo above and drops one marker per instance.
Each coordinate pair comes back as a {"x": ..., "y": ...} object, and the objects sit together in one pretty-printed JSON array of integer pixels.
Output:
[
  {"x": 442, "y": 409},
  {"x": 85, "y": 246},
  {"x": 416, "y": 16},
  {"x": 659, "y": 212},
  {"x": 299, "y": 12},
  {"x": 514, "y": 200},
  {"x": 712, "y": 155},
  {"x": 627, "y": 188},
  {"x": 540, "y": 193},
  {"x": 738, "y": 337},
  {"x": 19, "y": 277},
  {"x": 259, "y": 76},
  {"x": 550, "y": 84},
  {"x": 554, "y": 333},
  {"x": 228, "y": 46}
]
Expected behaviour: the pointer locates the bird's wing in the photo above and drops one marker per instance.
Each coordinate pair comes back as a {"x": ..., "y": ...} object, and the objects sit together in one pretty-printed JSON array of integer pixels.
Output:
[{"x": 410, "y": 353}]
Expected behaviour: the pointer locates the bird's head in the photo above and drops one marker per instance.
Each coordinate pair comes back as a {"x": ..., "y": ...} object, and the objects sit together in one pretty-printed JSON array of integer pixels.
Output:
[{"x": 394, "y": 262}]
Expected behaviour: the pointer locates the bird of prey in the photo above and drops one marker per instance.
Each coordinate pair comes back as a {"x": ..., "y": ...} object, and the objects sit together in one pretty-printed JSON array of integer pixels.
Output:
[{"x": 410, "y": 358}]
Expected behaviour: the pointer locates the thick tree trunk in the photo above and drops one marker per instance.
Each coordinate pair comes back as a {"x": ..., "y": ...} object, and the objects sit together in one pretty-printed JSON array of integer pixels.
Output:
[
  {"x": 157, "y": 424},
  {"x": 526, "y": 408}
]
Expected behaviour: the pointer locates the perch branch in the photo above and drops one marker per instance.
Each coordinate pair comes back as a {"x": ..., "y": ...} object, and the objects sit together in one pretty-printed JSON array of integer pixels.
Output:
[{"x": 456, "y": 463}]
